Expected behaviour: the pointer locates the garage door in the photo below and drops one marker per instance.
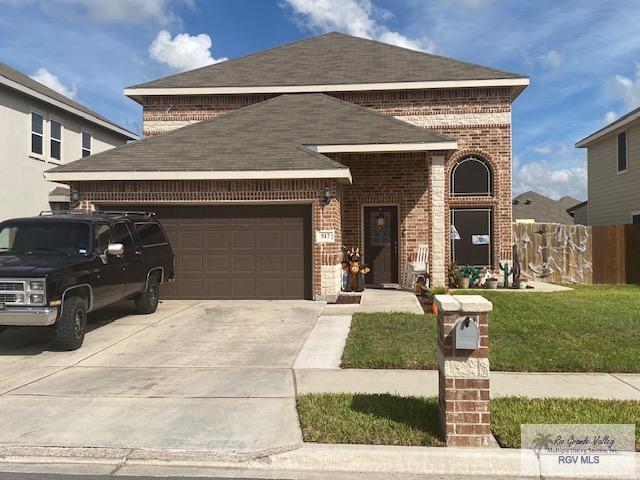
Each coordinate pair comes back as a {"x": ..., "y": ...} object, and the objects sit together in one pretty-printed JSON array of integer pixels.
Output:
[{"x": 238, "y": 252}]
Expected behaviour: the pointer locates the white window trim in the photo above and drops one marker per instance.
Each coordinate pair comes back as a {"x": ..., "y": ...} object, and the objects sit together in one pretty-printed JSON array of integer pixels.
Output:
[
  {"x": 626, "y": 144},
  {"x": 50, "y": 158},
  {"x": 82, "y": 149},
  {"x": 39, "y": 156}
]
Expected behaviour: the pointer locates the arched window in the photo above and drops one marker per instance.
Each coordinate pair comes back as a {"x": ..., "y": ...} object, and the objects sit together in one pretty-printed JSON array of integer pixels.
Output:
[{"x": 471, "y": 177}]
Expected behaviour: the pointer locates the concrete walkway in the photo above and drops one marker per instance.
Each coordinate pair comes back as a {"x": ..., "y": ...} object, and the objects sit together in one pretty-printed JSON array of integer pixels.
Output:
[
  {"x": 425, "y": 383},
  {"x": 379, "y": 300}
]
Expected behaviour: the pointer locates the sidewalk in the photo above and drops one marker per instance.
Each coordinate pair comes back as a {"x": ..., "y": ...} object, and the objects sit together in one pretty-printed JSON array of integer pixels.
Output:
[{"x": 425, "y": 383}]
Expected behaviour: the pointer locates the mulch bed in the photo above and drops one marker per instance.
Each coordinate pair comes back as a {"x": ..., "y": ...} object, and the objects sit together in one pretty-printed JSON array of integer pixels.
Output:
[{"x": 346, "y": 300}]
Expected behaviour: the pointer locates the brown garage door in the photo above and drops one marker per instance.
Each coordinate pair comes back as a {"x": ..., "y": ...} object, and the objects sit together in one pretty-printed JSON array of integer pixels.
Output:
[{"x": 237, "y": 252}]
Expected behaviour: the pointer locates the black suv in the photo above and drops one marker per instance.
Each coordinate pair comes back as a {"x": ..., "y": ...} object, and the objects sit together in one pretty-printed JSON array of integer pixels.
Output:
[{"x": 55, "y": 268}]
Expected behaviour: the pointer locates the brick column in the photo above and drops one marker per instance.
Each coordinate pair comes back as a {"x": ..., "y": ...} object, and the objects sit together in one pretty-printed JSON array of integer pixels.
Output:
[
  {"x": 464, "y": 373},
  {"x": 437, "y": 220}
]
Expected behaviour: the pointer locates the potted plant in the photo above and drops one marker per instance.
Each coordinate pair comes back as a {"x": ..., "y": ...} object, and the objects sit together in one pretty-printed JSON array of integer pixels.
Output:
[
  {"x": 453, "y": 275},
  {"x": 464, "y": 281},
  {"x": 491, "y": 283}
]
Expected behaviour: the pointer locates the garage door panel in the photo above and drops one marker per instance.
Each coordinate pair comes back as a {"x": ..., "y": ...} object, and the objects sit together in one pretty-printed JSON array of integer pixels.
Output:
[{"x": 237, "y": 251}]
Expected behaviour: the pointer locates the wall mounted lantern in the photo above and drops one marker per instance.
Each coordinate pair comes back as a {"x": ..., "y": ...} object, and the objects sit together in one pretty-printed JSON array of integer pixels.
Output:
[{"x": 328, "y": 195}]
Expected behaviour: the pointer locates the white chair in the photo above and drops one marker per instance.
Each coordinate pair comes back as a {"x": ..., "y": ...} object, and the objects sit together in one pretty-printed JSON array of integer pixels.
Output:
[{"x": 420, "y": 266}]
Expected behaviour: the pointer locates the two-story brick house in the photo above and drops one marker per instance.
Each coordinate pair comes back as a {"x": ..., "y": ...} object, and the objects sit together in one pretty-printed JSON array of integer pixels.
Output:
[
  {"x": 39, "y": 129},
  {"x": 262, "y": 168}
]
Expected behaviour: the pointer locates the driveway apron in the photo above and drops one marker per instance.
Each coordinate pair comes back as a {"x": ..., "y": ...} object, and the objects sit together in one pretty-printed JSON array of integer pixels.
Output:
[{"x": 198, "y": 376}]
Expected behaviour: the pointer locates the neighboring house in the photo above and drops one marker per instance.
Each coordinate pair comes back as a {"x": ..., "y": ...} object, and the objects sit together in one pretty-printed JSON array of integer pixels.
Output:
[
  {"x": 534, "y": 207},
  {"x": 613, "y": 162},
  {"x": 580, "y": 213},
  {"x": 328, "y": 142},
  {"x": 40, "y": 128}
]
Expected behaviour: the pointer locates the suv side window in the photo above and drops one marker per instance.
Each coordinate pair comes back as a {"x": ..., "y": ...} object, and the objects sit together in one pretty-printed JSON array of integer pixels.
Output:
[
  {"x": 151, "y": 235},
  {"x": 102, "y": 238},
  {"x": 123, "y": 236}
]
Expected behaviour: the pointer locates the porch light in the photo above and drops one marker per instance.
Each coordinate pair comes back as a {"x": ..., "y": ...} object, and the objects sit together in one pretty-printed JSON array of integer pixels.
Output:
[
  {"x": 328, "y": 195},
  {"x": 380, "y": 221},
  {"x": 74, "y": 196}
]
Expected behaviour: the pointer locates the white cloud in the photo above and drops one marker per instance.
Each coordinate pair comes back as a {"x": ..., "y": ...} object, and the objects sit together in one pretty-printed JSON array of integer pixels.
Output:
[
  {"x": 627, "y": 89},
  {"x": 547, "y": 179},
  {"x": 551, "y": 59},
  {"x": 47, "y": 78},
  {"x": 159, "y": 12},
  {"x": 543, "y": 149},
  {"x": 354, "y": 17},
  {"x": 609, "y": 117},
  {"x": 184, "y": 51}
]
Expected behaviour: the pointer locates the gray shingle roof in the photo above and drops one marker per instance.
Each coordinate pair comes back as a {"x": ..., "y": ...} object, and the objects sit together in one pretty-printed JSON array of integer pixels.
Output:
[
  {"x": 542, "y": 209},
  {"x": 330, "y": 59},
  {"x": 26, "y": 81},
  {"x": 271, "y": 135}
]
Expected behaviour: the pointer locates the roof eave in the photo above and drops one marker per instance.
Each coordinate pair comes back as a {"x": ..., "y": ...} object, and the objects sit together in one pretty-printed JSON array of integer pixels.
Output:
[
  {"x": 340, "y": 174},
  {"x": 385, "y": 147},
  {"x": 621, "y": 122},
  {"x": 58, "y": 104},
  {"x": 517, "y": 85}
]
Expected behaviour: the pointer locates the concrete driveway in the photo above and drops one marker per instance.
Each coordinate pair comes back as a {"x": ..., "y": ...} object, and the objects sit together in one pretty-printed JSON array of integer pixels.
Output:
[{"x": 202, "y": 376}]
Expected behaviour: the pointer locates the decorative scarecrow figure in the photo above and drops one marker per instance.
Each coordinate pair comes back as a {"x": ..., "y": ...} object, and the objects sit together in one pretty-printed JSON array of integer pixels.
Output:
[{"x": 354, "y": 271}]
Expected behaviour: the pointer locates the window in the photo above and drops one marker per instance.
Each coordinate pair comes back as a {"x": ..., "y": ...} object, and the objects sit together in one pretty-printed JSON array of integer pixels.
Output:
[
  {"x": 102, "y": 239},
  {"x": 151, "y": 234},
  {"x": 50, "y": 238},
  {"x": 622, "y": 152},
  {"x": 56, "y": 140},
  {"x": 86, "y": 144},
  {"x": 635, "y": 218},
  {"x": 37, "y": 133},
  {"x": 123, "y": 236},
  {"x": 471, "y": 177}
]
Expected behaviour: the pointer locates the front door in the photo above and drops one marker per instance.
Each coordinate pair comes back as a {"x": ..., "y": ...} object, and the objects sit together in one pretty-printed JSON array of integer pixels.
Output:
[{"x": 381, "y": 244}]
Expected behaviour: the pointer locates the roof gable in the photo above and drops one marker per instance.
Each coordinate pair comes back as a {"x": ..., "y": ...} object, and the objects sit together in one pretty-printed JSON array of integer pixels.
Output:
[
  {"x": 330, "y": 59},
  {"x": 283, "y": 133}
]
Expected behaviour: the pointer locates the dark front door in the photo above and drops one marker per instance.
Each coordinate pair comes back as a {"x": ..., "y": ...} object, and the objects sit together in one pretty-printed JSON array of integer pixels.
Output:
[
  {"x": 381, "y": 244},
  {"x": 473, "y": 227}
]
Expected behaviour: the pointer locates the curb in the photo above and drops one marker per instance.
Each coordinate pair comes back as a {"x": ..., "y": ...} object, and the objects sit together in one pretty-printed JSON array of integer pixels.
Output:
[{"x": 308, "y": 461}]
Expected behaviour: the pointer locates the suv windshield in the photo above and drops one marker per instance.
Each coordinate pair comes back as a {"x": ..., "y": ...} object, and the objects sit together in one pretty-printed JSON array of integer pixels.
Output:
[{"x": 44, "y": 238}]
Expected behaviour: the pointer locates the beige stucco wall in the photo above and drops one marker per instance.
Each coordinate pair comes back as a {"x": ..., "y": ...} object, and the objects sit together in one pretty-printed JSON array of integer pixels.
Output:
[
  {"x": 613, "y": 196},
  {"x": 23, "y": 189}
]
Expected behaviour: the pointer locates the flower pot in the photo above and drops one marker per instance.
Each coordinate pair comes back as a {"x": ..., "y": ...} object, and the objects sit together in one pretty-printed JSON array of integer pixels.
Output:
[
  {"x": 464, "y": 282},
  {"x": 522, "y": 285},
  {"x": 491, "y": 284}
]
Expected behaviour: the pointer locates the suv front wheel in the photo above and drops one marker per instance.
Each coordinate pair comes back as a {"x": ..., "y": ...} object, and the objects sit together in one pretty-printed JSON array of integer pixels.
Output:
[
  {"x": 72, "y": 324},
  {"x": 148, "y": 300}
]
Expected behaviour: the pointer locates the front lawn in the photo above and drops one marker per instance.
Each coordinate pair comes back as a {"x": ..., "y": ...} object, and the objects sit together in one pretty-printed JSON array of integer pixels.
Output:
[
  {"x": 590, "y": 329},
  {"x": 413, "y": 421}
]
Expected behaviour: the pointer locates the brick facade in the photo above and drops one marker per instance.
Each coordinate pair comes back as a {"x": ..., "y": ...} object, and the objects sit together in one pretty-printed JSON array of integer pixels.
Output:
[{"x": 478, "y": 118}]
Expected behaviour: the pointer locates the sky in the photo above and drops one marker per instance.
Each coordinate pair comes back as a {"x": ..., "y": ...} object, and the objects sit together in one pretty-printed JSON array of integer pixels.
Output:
[{"x": 582, "y": 56}]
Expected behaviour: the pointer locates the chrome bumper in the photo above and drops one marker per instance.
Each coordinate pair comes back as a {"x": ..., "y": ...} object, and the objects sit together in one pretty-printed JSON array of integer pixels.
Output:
[{"x": 28, "y": 316}]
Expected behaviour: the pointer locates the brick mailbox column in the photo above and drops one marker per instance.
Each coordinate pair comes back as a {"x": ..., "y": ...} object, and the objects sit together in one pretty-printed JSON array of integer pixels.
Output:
[{"x": 463, "y": 366}]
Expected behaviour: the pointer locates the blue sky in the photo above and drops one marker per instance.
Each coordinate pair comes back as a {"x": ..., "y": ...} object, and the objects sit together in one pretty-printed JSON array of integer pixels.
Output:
[{"x": 583, "y": 57}]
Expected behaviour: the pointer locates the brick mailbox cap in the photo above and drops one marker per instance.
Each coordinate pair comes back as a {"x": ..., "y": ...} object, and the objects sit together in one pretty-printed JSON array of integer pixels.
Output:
[{"x": 463, "y": 303}]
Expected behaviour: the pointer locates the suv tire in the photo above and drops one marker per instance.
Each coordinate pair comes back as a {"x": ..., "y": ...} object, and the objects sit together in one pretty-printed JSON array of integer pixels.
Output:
[
  {"x": 148, "y": 300},
  {"x": 72, "y": 324}
]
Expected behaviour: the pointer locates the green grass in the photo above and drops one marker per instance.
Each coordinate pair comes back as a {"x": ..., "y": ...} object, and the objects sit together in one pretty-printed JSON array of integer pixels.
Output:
[
  {"x": 369, "y": 419},
  {"x": 508, "y": 413},
  {"x": 590, "y": 329},
  {"x": 391, "y": 340},
  {"x": 413, "y": 421}
]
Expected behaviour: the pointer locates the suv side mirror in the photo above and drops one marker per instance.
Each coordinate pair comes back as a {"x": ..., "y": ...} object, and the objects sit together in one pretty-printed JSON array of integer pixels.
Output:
[{"x": 115, "y": 249}]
